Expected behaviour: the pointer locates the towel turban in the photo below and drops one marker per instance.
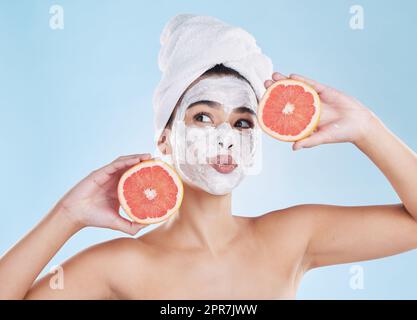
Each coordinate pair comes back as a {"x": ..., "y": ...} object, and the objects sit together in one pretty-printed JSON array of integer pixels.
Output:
[{"x": 192, "y": 44}]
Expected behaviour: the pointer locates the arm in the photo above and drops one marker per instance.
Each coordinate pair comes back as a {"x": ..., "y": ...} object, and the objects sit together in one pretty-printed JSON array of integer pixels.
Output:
[
  {"x": 345, "y": 234},
  {"x": 92, "y": 202},
  {"x": 341, "y": 234},
  {"x": 20, "y": 266}
]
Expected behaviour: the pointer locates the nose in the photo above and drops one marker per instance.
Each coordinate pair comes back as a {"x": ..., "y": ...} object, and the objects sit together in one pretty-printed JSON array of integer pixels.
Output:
[
  {"x": 225, "y": 136},
  {"x": 230, "y": 145},
  {"x": 226, "y": 140}
]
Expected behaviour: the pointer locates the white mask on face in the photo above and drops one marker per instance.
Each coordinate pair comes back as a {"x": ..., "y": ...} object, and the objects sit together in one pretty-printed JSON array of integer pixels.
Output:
[{"x": 198, "y": 152}]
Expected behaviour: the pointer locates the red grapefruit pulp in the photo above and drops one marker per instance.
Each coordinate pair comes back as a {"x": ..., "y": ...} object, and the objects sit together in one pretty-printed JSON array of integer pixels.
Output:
[
  {"x": 150, "y": 191},
  {"x": 289, "y": 110}
]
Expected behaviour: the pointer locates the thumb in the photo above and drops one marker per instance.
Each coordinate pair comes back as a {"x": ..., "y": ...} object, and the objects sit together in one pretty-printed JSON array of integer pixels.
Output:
[
  {"x": 127, "y": 226},
  {"x": 317, "y": 138}
]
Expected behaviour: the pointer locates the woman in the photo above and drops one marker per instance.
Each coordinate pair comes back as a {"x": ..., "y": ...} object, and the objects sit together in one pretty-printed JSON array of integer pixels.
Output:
[{"x": 203, "y": 251}]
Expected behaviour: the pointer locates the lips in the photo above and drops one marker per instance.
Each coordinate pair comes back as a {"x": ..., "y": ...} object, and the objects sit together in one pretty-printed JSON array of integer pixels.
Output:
[{"x": 223, "y": 163}]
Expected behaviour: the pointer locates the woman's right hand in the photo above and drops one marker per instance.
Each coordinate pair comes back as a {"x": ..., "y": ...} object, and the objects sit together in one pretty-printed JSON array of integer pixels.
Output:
[{"x": 94, "y": 201}]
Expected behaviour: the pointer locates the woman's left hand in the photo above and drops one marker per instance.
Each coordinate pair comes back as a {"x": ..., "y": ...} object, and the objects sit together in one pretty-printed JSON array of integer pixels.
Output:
[{"x": 342, "y": 119}]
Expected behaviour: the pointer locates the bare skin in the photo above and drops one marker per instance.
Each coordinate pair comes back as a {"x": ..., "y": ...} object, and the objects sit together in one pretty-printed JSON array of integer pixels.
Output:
[{"x": 205, "y": 252}]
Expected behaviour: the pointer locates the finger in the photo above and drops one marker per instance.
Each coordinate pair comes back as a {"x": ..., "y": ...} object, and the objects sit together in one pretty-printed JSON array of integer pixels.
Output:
[
  {"x": 316, "y": 85},
  {"x": 319, "y": 137},
  {"x": 126, "y": 226},
  {"x": 104, "y": 174},
  {"x": 124, "y": 162},
  {"x": 268, "y": 83},
  {"x": 278, "y": 76}
]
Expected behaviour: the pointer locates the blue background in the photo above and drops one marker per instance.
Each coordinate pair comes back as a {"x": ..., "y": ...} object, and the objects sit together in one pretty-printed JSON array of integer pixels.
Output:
[{"x": 72, "y": 100}]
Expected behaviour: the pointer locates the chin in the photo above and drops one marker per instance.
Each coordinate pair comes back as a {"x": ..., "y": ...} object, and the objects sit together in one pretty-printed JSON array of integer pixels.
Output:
[{"x": 208, "y": 191}]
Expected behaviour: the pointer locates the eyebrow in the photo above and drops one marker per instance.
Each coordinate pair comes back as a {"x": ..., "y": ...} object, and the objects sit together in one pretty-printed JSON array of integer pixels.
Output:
[
  {"x": 214, "y": 104},
  {"x": 210, "y": 103},
  {"x": 244, "y": 110}
]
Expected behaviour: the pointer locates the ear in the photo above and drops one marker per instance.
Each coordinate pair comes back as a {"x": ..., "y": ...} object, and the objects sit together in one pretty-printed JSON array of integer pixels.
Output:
[{"x": 164, "y": 144}]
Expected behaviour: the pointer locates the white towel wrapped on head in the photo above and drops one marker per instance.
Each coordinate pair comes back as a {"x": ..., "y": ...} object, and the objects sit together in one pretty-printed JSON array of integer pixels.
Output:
[{"x": 192, "y": 44}]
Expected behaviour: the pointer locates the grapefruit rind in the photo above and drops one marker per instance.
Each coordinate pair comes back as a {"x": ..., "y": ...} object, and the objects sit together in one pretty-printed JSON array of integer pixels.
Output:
[
  {"x": 311, "y": 126},
  {"x": 143, "y": 164}
]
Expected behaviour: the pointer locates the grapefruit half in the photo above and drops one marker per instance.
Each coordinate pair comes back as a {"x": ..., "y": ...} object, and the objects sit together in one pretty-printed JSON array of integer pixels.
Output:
[
  {"x": 150, "y": 192},
  {"x": 289, "y": 110}
]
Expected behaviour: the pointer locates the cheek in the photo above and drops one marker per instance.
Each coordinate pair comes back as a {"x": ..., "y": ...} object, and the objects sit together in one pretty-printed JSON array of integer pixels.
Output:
[
  {"x": 188, "y": 120},
  {"x": 190, "y": 144},
  {"x": 201, "y": 142}
]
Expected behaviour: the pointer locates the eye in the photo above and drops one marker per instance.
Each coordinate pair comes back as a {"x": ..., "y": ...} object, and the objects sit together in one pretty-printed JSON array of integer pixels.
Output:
[
  {"x": 244, "y": 124},
  {"x": 202, "y": 117}
]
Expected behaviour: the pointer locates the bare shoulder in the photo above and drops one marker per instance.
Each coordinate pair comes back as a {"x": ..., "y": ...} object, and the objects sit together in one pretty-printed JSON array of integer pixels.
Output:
[
  {"x": 287, "y": 230},
  {"x": 94, "y": 273},
  {"x": 124, "y": 262},
  {"x": 126, "y": 250},
  {"x": 111, "y": 255},
  {"x": 112, "y": 248},
  {"x": 297, "y": 216}
]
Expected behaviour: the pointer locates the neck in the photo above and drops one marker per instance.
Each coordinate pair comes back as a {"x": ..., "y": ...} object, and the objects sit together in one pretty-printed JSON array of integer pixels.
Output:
[{"x": 204, "y": 220}]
